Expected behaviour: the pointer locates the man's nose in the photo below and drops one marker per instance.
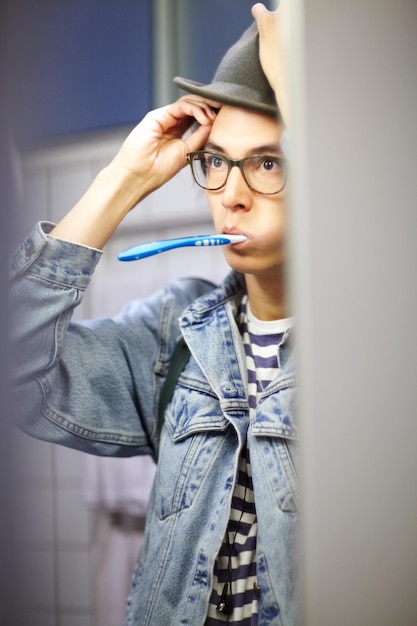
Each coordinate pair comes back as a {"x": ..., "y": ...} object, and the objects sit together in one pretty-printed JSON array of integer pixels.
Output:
[{"x": 236, "y": 193}]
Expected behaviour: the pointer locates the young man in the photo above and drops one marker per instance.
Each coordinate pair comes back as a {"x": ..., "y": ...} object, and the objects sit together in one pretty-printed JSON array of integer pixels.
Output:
[{"x": 220, "y": 543}]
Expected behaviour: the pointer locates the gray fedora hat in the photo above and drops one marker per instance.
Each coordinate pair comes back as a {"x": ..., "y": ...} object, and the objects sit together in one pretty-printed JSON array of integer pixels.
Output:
[{"x": 239, "y": 79}]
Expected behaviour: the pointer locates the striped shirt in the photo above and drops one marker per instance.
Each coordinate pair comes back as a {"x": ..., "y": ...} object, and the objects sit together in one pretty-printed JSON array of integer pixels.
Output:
[{"x": 234, "y": 574}]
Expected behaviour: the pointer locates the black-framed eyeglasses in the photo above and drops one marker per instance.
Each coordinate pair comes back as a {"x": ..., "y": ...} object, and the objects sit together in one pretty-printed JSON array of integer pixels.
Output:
[{"x": 263, "y": 173}]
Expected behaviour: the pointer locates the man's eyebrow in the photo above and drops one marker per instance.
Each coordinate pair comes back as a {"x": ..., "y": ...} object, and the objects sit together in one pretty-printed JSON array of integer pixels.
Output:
[{"x": 272, "y": 148}]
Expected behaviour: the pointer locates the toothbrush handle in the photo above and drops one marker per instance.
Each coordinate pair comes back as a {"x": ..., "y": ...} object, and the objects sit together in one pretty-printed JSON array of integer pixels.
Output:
[{"x": 144, "y": 250}]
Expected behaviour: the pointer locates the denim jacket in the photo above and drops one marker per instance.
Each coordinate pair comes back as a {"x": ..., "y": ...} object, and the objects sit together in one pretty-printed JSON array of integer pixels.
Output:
[{"x": 94, "y": 386}]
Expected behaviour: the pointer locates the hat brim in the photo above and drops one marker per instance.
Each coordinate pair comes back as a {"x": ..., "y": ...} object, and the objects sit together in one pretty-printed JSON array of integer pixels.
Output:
[{"x": 227, "y": 93}]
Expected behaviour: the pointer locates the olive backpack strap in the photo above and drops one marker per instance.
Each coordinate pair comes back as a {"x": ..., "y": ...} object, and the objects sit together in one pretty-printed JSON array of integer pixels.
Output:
[{"x": 179, "y": 358}]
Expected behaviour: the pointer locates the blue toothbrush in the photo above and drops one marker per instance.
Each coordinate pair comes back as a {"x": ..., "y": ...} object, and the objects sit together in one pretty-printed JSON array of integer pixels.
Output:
[{"x": 144, "y": 250}]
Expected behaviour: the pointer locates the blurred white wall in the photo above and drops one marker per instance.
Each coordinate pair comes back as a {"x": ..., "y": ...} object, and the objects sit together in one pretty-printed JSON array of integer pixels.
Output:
[{"x": 354, "y": 283}]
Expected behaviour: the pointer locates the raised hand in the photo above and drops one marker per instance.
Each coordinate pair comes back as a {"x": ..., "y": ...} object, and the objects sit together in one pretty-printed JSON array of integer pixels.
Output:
[
  {"x": 273, "y": 50},
  {"x": 156, "y": 149},
  {"x": 153, "y": 152}
]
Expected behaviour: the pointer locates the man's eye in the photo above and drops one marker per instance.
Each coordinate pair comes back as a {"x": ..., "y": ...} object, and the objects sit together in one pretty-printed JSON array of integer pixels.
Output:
[
  {"x": 215, "y": 161},
  {"x": 270, "y": 164}
]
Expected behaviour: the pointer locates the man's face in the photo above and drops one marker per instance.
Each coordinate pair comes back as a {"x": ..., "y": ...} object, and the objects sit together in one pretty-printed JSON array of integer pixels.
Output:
[{"x": 236, "y": 208}]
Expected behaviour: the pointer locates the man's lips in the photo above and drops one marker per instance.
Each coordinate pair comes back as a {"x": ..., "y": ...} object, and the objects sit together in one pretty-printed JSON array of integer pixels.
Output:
[{"x": 236, "y": 231}]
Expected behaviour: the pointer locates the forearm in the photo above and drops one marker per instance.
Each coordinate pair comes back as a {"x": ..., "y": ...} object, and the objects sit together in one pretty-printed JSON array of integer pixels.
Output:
[{"x": 97, "y": 214}]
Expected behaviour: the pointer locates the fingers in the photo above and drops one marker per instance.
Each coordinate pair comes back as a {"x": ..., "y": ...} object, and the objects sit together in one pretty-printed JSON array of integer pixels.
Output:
[
  {"x": 203, "y": 111},
  {"x": 199, "y": 117},
  {"x": 265, "y": 20},
  {"x": 260, "y": 12},
  {"x": 189, "y": 119},
  {"x": 173, "y": 120}
]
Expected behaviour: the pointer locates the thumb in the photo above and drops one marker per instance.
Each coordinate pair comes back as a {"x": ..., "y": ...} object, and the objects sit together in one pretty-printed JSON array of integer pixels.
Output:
[{"x": 197, "y": 139}]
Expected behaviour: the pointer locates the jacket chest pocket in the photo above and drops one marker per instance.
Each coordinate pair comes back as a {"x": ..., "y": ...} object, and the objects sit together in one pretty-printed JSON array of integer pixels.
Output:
[
  {"x": 191, "y": 442},
  {"x": 274, "y": 431},
  {"x": 278, "y": 466}
]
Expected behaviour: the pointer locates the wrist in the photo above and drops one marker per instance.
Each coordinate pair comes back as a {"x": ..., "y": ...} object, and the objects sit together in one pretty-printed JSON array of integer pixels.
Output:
[{"x": 125, "y": 188}]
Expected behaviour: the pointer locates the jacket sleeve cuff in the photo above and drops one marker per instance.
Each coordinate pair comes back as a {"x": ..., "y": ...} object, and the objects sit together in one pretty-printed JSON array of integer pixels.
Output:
[{"x": 53, "y": 259}]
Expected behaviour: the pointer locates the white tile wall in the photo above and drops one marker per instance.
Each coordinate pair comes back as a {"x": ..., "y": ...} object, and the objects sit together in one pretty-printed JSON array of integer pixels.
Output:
[{"x": 55, "y": 528}]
